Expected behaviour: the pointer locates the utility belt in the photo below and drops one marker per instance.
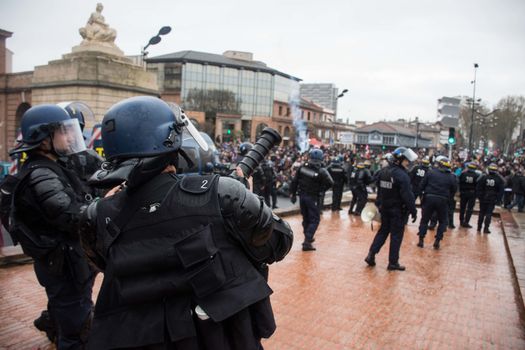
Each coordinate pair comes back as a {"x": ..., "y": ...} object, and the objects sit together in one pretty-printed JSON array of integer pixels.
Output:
[{"x": 437, "y": 196}]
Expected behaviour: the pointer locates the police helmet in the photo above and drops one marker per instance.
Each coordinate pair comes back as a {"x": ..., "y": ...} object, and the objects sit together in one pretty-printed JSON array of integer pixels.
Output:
[
  {"x": 316, "y": 154},
  {"x": 360, "y": 165},
  {"x": 472, "y": 165},
  {"x": 140, "y": 127},
  {"x": 401, "y": 153},
  {"x": 48, "y": 120},
  {"x": 388, "y": 157},
  {"x": 78, "y": 110},
  {"x": 244, "y": 148},
  {"x": 367, "y": 163},
  {"x": 425, "y": 161},
  {"x": 492, "y": 168},
  {"x": 444, "y": 162}
]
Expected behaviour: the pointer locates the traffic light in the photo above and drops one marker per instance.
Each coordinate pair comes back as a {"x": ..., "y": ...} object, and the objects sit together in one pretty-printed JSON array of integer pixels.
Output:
[
  {"x": 229, "y": 131},
  {"x": 383, "y": 147},
  {"x": 452, "y": 136}
]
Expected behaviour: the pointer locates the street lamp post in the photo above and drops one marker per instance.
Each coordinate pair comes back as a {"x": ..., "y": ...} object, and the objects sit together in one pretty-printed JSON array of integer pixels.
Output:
[
  {"x": 472, "y": 114},
  {"x": 154, "y": 40},
  {"x": 338, "y": 97}
]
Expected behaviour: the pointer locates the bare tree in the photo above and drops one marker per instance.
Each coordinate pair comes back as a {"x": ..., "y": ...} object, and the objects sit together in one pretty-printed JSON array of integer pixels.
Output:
[{"x": 511, "y": 111}]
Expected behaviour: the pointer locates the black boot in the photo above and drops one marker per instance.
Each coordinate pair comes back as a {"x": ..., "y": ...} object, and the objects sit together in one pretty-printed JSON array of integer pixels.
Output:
[
  {"x": 451, "y": 225},
  {"x": 466, "y": 224},
  {"x": 307, "y": 246},
  {"x": 486, "y": 230},
  {"x": 45, "y": 324},
  {"x": 370, "y": 259},
  {"x": 421, "y": 242},
  {"x": 396, "y": 266},
  {"x": 436, "y": 244}
]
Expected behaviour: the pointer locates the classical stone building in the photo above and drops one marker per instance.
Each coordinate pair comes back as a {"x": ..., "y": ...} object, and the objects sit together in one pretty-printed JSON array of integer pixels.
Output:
[{"x": 96, "y": 72}]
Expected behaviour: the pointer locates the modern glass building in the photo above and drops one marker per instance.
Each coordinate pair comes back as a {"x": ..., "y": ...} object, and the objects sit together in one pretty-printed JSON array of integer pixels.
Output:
[{"x": 231, "y": 87}]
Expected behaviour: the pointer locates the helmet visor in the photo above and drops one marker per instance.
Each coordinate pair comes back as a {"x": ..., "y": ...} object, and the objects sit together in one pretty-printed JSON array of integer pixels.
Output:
[
  {"x": 410, "y": 155},
  {"x": 67, "y": 138}
]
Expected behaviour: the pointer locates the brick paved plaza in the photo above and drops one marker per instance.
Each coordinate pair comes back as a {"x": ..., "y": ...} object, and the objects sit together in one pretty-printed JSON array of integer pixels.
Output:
[{"x": 460, "y": 297}]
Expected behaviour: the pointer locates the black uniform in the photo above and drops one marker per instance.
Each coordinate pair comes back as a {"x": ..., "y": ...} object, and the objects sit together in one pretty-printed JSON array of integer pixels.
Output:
[
  {"x": 437, "y": 188},
  {"x": 338, "y": 174},
  {"x": 416, "y": 176},
  {"x": 262, "y": 182},
  {"x": 311, "y": 181},
  {"x": 359, "y": 179},
  {"x": 180, "y": 258},
  {"x": 467, "y": 193},
  {"x": 489, "y": 190},
  {"x": 48, "y": 205},
  {"x": 395, "y": 201},
  {"x": 84, "y": 163}
]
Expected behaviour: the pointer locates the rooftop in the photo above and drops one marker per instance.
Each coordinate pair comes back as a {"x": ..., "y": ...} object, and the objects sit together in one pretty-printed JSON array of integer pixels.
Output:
[{"x": 189, "y": 56}]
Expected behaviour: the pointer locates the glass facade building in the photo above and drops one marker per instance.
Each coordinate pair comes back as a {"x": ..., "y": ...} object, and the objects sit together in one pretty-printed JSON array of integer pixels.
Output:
[{"x": 209, "y": 82}]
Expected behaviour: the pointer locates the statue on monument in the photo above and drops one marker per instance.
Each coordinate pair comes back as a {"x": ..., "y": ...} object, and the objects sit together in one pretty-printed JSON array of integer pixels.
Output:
[
  {"x": 97, "y": 30},
  {"x": 98, "y": 36}
]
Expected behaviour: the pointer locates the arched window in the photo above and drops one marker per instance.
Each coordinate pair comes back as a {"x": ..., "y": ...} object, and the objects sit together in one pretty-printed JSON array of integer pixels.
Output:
[{"x": 22, "y": 108}]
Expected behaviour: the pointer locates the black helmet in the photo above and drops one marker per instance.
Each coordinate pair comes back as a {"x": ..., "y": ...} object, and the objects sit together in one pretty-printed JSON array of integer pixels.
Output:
[
  {"x": 401, "y": 153},
  {"x": 42, "y": 121},
  {"x": 316, "y": 154},
  {"x": 492, "y": 168},
  {"x": 140, "y": 127},
  {"x": 244, "y": 148}
]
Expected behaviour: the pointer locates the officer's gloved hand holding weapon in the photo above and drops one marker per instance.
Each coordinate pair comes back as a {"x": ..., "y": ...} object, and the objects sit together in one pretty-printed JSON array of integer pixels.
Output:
[{"x": 268, "y": 139}]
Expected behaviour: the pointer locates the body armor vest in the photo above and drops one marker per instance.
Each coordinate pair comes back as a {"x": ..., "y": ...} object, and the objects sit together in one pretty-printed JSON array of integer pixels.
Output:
[
  {"x": 175, "y": 250},
  {"x": 337, "y": 173},
  {"x": 467, "y": 181},
  {"x": 389, "y": 191}
]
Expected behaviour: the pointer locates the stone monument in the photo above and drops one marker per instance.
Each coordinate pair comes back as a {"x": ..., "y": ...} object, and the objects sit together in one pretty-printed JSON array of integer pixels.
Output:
[{"x": 96, "y": 72}]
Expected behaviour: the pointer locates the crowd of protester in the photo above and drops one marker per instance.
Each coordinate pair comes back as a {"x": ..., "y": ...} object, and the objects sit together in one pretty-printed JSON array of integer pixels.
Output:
[{"x": 286, "y": 159}]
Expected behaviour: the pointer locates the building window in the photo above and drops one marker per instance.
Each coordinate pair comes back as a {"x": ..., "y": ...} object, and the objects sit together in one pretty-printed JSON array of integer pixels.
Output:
[
  {"x": 287, "y": 111},
  {"x": 280, "y": 129},
  {"x": 362, "y": 139},
  {"x": 302, "y": 114},
  {"x": 389, "y": 140},
  {"x": 308, "y": 115},
  {"x": 280, "y": 110}
]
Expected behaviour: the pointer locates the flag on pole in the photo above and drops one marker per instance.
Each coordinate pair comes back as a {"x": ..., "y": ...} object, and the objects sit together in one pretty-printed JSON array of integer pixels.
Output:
[{"x": 95, "y": 135}]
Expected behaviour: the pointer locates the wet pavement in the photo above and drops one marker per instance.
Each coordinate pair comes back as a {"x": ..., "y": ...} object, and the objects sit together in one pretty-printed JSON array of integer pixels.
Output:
[{"x": 463, "y": 296}]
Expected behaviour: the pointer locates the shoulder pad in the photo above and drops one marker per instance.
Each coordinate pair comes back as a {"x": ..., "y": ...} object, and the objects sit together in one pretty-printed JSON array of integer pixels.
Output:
[
  {"x": 42, "y": 174},
  {"x": 197, "y": 184}
]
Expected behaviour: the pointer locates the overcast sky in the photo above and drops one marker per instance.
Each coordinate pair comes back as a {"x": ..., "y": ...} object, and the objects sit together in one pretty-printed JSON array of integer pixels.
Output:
[{"x": 397, "y": 57}]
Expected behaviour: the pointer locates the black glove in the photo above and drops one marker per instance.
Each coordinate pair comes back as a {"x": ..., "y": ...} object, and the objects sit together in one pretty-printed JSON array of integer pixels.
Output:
[
  {"x": 293, "y": 199},
  {"x": 414, "y": 216}
]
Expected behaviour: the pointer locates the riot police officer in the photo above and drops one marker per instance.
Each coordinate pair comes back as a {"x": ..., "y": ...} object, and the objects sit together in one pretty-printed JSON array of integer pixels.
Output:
[
  {"x": 311, "y": 180},
  {"x": 352, "y": 184},
  {"x": 437, "y": 189},
  {"x": 179, "y": 253},
  {"x": 489, "y": 190},
  {"x": 417, "y": 174},
  {"x": 84, "y": 164},
  {"x": 467, "y": 193},
  {"x": 360, "y": 180},
  {"x": 88, "y": 161},
  {"x": 338, "y": 174},
  {"x": 48, "y": 202},
  {"x": 395, "y": 201}
]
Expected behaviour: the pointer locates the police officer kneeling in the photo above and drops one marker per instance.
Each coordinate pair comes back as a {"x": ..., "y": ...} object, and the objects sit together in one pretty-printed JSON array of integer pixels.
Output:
[
  {"x": 438, "y": 187},
  {"x": 179, "y": 254},
  {"x": 395, "y": 201}
]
